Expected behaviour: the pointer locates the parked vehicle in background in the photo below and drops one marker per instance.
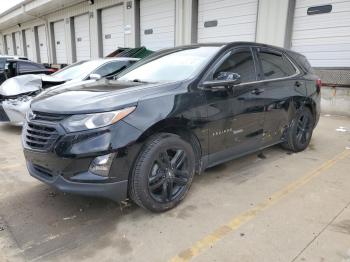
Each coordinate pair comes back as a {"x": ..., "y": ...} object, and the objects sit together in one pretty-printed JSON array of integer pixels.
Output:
[
  {"x": 168, "y": 117},
  {"x": 12, "y": 57},
  {"x": 14, "y": 67},
  {"x": 17, "y": 93}
]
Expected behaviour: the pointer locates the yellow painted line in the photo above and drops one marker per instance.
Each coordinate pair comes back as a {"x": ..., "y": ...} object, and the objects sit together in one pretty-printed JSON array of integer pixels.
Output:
[{"x": 211, "y": 239}]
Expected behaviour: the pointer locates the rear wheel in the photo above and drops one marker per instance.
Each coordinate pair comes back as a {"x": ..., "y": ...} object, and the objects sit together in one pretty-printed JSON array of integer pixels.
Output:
[
  {"x": 163, "y": 173},
  {"x": 300, "y": 131}
]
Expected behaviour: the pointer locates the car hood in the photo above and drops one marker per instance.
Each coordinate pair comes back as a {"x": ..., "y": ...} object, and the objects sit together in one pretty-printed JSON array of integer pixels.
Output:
[
  {"x": 25, "y": 84},
  {"x": 100, "y": 96}
]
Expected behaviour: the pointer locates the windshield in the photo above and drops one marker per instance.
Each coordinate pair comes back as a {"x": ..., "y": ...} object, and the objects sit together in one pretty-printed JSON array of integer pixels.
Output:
[
  {"x": 176, "y": 66},
  {"x": 79, "y": 70}
]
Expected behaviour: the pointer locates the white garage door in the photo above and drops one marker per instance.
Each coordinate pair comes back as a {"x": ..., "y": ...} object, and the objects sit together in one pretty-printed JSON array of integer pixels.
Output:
[
  {"x": 9, "y": 44},
  {"x": 60, "y": 42},
  {"x": 42, "y": 44},
  {"x": 112, "y": 20},
  {"x": 325, "y": 37},
  {"x": 157, "y": 23},
  {"x": 227, "y": 20},
  {"x": 29, "y": 44},
  {"x": 82, "y": 37},
  {"x": 18, "y": 43}
]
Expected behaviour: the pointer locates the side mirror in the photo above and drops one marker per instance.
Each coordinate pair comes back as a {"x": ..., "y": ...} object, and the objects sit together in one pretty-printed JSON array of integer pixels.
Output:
[
  {"x": 227, "y": 76},
  {"x": 95, "y": 77},
  {"x": 223, "y": 80}
]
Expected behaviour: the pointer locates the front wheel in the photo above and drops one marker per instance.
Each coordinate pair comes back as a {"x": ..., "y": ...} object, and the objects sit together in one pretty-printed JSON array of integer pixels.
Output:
[
  {"x": 299, "y": 134},
  {"x": 163, "y": 173}
]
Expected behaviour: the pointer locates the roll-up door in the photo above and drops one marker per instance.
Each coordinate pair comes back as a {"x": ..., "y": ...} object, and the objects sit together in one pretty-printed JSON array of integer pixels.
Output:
[
  {"x": 60, "y": 42},
  {"x": 227, "y": 20},
  {"x": 29, "y": 37},
  {"x": 82, "y": 37},
  {"x": 321, "y": 31},
  {"x": 18, "y": 44},
  {"x": 9, "y": 44},
  {"x": 157, "y": 23},
  {"x": 112, "y": 23},
  {"x": 42, "y": 43}
]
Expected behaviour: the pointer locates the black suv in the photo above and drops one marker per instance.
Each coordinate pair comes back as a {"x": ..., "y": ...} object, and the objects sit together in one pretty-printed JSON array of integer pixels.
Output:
[{"x": 169, "y": 116}]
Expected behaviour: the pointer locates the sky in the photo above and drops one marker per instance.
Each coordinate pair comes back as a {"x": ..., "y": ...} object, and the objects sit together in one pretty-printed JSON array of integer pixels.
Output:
[{"x": 7, "y": 4}]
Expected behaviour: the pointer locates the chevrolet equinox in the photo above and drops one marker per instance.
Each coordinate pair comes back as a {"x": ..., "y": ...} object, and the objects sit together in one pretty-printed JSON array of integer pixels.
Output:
[{"x": 144, "y": 134}]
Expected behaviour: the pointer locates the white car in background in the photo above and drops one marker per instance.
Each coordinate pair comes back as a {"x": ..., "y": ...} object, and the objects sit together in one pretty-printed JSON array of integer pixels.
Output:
[{"x": 16, "y": 93}]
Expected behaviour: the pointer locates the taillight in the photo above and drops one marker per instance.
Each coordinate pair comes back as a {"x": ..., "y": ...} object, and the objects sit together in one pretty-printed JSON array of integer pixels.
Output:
[{"x": 318, "y": 85}]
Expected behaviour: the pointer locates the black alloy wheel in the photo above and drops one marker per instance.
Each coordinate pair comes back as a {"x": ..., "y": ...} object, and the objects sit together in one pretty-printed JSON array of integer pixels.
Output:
[
  {"x": 163, "y": 172},
  {"x": 169, "y": 175},
  {"x": 304, "y": 129},
  {"x": 299, "y": 132}
]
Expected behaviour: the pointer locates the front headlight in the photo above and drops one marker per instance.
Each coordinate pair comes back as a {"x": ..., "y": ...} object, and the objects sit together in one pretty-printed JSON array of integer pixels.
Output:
[{"x": 91, "y": 121}]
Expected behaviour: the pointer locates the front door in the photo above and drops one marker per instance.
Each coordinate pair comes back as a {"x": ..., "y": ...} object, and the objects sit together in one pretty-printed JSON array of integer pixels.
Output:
[{"x": 235, "y": 118}]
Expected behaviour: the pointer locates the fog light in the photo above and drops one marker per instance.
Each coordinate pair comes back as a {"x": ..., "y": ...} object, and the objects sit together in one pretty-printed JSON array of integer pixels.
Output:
[{"x": 102, "y": 164}]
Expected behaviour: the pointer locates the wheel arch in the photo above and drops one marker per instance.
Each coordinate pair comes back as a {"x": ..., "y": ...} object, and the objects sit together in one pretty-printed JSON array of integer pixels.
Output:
[
  {"x": 307, "y": 102},
  {"x": 180, "y": 127}
]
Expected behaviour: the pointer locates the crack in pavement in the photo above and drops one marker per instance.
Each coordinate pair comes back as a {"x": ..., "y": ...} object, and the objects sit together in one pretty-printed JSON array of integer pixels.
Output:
[{"x": 320, "y": 233}]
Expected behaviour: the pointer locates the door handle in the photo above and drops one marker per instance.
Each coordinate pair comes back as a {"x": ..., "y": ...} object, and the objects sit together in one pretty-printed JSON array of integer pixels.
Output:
[
  {"x": 257, "y": 91},
  {"x": 298, "y": 84}
]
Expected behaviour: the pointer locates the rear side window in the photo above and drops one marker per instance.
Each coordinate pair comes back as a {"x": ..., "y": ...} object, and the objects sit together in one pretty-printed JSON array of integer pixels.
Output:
[
  {"x": 275, "y": 65},
  {"x": 29, "y": 67},
  {"x": 305, "y": 64},
  {"x": 240, "y": 62}
]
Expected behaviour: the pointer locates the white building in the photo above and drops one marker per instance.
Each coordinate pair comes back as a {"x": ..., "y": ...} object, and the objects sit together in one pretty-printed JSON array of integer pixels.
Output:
[{"x": 65, "y": 31}]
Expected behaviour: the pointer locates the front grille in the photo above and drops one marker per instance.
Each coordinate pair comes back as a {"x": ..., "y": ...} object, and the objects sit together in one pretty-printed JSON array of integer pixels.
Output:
[
  {"x": 3, "y": 115},
  {"x": 40, "y": 116},
  {"x": 39, "y": 136}
]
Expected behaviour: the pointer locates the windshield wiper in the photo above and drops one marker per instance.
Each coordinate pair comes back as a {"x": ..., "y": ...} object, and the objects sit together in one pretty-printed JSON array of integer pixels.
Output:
[{"x": 139, "y": 81}]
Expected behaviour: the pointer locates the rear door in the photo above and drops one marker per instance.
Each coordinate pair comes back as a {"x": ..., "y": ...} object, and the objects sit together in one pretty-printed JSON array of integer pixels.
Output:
[
  {"x": 282, "y": 86},
  {"x": 236, "y": 120}
]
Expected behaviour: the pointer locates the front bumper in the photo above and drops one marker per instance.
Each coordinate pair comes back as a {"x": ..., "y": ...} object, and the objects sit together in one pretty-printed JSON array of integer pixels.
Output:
[
  {"x": 116, "y": 191},
  {"x": 64, "y": 161}
]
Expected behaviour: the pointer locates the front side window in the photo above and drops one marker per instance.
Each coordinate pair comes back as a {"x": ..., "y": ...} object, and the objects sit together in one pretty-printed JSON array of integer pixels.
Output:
[
  {"x": 178, "y": 65},
  {"x": 240, "y": 62},
  {"x": 275, "y": 65}
]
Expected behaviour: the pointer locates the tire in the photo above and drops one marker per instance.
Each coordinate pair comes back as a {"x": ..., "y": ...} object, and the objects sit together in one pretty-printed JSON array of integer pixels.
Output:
[
  {"x": 163, "y": 173},
  {"x": 299, "y": 133}
]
